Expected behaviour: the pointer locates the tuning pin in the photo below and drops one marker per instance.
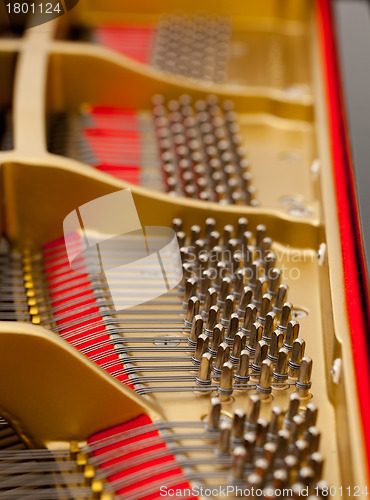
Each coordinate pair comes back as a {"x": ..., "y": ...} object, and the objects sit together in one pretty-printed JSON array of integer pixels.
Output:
[
  {"x": 311, "y": 415},
  {"x": 283, "y": 437},
  {"x": 298, "y": 490},
  {"x": 254, "y": 338},
  {"x": 275, "y": 423},
  {"x": 237, "y": 429},
  {"x": 270, "y": 324},
  {"x": 266, "y": 247},
  {"x": 245, "y": 300},
  {"x": 190, "y": 290},
  {"x": 228, "y": 310},
  {"x": 216, "y": 339},
  {"x": 196, "y": 330},
  {"x": 213, "y": 418},
  {"x": 199, "y": 246},
  {"x": 321, "y": 489},
  {"x": 296, "y": 358},
  {"x": 187, "y": 271},
  {"x": 195, "y": 232},
  {"x": 246, "y": 238},
  {"x": 274, "y": 278},
  {"x": 313, "y": 436},
  {"x": 216, "y": 255},
  {"x": 261, "y": 432},
  {"x": 264, "y": 384},
  {"x": 190, "y": 191},
  {"x": 242, "y": 376},
  {"x": 259, "y": 356},
  {"x": 223, "y": 353},
  {"x": 184, "y": 254},
  {"x": 261, "y": 467},
  {"x": 294, "y": 402},
  {"x": 224, "y": 291},
  {"x": 291, "y": 466},
  {"x": 253, "y": 281},
  {"x": 265, "y": 308},
  {"x": 239, "y": 284},
  {"x": 280, "y": 480},
  {"x": 254, "y": 407},
  {"x": 203, "y": 262},
  {"x": 306, "y": 476},
  {"x": 225, "y": 388},
  {"x": 280, "y": 297},
  {"x": 228, "y": 231},
  {"x": 213, "y": 319},
  {"x": 201, "y": 348},
  {"x": 280, "y": 373},
  {"x": 205, "y": 283},
  {"x": 254, "y": 482},
  {"x": 260, "y": 234},
  {"x": 238, "y": 346},
  {"x": 171, "y": 185},
  {"x": 269, "y": 454},
  {"x": 210, "y": 300},
  {"x": 259, "y": 290},
  {"x": 173, "y": 105},
  {"x": 268, "y": 262},
  {"x": 200, "y": 105},
  {"x": 214, "y": 239},
  {"x": 248, "y": 254},
  {"x": 316, "y": 462},
  {"x": 181, "y": 238},
  {"x": 291, "y": 334},
  {"x": 297, "y": 429},
  {"x": 237, "y": 468},
  {"x": 286, "y": 315},
  {"x": 159, "y": 100},
  {"x": 249, "y": 441},
  {"x": 204, "y": 375},
  {"x": 232, "y": 328},
  {"x": 303, "y": 383},
  {"x": 159, "y": 111},
  {"x": 232, "y": 246},
  {"x": 193, "y": 310},
  {"x": 242, "y": 228},
  {"x": 301, "y": 450},
  {"x": 210, "y": 225},
  {"x": 223, "y": 445}
]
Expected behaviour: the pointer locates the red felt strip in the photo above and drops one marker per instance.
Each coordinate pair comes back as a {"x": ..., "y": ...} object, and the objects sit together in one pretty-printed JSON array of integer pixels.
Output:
[
  {"x": 132, "y": 41},
  {"x": 148, "y": 462},
  {"x": 58, "y": 275},
  {"x": 64, "y": 283},
  {"x": 115, "y": 140},
  {"x": 354, "y": 268}
]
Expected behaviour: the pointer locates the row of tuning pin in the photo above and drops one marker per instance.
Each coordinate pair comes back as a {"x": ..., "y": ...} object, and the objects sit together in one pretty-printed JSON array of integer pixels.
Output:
[
  {"x": 270, "y": 454},
  {"x": 230, "y": 262},
  {"x": 268, "y": 350},
  {"x": 265, "y": 374},
  {"x": 193, "y": 46},
  {"x": 201, "y": 151},
  {"x": 240, "y": 328}
]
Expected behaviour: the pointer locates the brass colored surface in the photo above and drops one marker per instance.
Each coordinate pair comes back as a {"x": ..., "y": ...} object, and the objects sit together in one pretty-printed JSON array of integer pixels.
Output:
[
  {"x": 51, "y": 392},
  {"x": 268, "y": 46},
  {"x": 284, "y": 133}
]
